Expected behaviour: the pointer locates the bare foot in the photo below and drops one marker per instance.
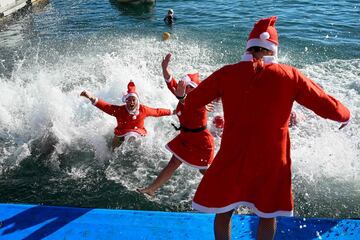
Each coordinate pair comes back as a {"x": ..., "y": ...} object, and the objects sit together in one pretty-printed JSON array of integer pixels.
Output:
[{"x": 146, "y": 191}]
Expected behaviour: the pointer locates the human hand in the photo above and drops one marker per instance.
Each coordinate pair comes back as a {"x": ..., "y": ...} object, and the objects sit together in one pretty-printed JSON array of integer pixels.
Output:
[
  {"x": 86, "y": 94},
  {"x": 180, "y": 90},
  {"x": 166, "y": 60},
  {"x": 209, "y": 107}
]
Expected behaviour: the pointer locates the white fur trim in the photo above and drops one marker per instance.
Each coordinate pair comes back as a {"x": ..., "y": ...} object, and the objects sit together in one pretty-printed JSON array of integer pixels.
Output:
[
  {"x": 184, "y": 161},
  {"x": 130, "y": 134},
  {"x": 170, "y": 78},
  {"x": 256, "y": 42},
  {"x": 95, "y": 102},
  {"x": 188, "y": 81},
  {"x": 270, "y": 59},
  {"x": 247, "y": 57},
  {"x": 242, "y": 203},
  {"x": 129, "y": 95}
]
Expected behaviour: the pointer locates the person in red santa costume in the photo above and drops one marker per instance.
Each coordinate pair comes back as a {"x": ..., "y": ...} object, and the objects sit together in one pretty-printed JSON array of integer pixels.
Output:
[
  {"x": 253, "y": 165},
  {"x": 130, "y": 117},
  {"x": 194, "y": 145}
]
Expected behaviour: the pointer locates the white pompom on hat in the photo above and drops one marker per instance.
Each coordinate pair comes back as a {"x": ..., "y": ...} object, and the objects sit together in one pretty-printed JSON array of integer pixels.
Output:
[{"x": 264, "y": 35}]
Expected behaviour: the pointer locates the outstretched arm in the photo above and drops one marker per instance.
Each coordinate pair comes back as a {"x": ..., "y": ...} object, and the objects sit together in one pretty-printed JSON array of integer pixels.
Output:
[
  {"x": 88, "y": 95},
  {"x": 165, "y": 66},
  {"x": 313, "y": 97},
  {"x": 101, "y": 104},
  {"x": 168, "y": 76},
  {"x": 157, "y": 112}
]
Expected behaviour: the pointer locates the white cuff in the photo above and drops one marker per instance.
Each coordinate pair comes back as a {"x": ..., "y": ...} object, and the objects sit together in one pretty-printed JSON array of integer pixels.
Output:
[
  {"x": 345, "y": 122},
  {"x": 95, "y": 102},
  {"x": 170, "y": 78}
]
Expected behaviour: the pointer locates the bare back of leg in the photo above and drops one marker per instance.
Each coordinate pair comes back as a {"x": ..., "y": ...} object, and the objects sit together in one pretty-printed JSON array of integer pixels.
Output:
[
  {"x": 266, "y": 229},
  {"x": 163, "y": 177},
  {"x": 222, "y": 225}
]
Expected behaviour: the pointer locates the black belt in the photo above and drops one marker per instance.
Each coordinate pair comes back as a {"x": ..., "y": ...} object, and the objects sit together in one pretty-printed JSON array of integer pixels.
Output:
[{"x": 188, "y": 129}]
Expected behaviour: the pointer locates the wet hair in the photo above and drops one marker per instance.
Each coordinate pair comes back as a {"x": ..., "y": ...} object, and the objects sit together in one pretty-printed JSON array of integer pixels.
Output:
[{"x": 257, "y": 49}]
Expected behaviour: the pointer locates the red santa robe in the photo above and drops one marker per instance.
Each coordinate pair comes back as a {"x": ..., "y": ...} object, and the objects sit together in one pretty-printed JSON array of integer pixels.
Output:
[
  {"x": 193, "y": 148},
  {"x": 253, "y": 165},
  {"x": 130, "y": 123}
]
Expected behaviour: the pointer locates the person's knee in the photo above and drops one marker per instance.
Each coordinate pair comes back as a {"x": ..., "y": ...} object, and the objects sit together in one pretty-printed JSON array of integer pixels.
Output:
[{"x": 174, "y": 162}]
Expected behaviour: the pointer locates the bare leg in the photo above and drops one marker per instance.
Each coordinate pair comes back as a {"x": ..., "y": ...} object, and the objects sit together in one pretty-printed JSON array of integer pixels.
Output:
[
  {"x": 222, "y": 225},
  {"x": 163, "y": 177},
  {"x": 266, "y": 229},
  {"x": 116, "y": 142}
]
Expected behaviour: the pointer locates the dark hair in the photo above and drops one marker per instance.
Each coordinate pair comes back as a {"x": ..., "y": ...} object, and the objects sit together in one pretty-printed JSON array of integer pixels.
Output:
[{"x": 257, "y": 49}]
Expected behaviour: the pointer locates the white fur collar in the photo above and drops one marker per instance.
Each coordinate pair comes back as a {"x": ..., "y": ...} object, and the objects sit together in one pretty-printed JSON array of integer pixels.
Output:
[{"x": 247, "y": 57}]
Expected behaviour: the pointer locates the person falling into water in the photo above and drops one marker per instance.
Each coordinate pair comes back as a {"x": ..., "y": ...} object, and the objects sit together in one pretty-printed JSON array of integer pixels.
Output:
[
  {"x": 130, "y": 117},
  {"x": 194, "y": 145},
  {"x": 253, "y": 165}
]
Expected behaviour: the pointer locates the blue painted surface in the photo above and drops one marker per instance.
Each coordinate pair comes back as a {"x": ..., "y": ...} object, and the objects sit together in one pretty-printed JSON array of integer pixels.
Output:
[{"x": 44, "y": 222}]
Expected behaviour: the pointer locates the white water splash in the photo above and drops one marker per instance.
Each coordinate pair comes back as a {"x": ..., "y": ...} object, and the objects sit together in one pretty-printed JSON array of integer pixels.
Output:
[{"x": 42, "y": 99}]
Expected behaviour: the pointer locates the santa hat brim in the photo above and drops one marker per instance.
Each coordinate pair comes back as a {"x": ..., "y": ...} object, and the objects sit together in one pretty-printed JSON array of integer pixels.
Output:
[
  {"x": 130, "y": 95},
  {"x": 256, "y": 42},
  {"x": 188, "y": 81}
]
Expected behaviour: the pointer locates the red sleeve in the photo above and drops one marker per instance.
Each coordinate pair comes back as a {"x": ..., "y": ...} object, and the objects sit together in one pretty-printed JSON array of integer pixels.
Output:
[
  {"x": 106, "y": 107},
  {"x": 312, "y": 96},
  {"x": 208, "y": 90},
  {"x": 156, "y": 112},
  {"x": 172, "y": 84}
]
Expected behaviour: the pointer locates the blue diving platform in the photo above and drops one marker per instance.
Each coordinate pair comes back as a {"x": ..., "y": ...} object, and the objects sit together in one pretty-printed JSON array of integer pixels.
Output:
[{"x": 30, "y": 222}]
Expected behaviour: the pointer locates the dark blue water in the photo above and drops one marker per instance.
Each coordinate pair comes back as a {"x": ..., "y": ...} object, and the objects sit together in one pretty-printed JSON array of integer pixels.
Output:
[{"x": 54, "y": 146}]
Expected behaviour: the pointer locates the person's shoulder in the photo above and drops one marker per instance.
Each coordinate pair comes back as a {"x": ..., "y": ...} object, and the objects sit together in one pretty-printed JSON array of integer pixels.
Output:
[
  {"x": 143, "y": 107},
  {"x": 235, "y": 66},
  {"x": 283, "y": 69}
]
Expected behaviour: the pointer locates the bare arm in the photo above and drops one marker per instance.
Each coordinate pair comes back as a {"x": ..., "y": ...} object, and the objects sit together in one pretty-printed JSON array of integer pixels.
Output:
[{"x": 165, "y": 67}]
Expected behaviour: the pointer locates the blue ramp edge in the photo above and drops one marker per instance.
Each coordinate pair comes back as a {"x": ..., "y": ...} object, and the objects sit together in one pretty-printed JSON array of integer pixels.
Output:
[{"x": 30, "y": 222}]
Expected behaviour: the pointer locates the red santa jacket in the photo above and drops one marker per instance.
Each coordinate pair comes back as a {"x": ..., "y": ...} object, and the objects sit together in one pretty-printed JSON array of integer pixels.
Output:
[
  {"x": 127, "y": 122},
  {"x": 253, "y": 164},
  {"x": 193, "y": 148}
]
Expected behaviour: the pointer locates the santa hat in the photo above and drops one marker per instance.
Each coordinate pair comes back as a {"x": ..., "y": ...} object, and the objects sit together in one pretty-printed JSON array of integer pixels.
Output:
[
  {"x": 131, "y": 91},
  {"x": 192, "y": 79},
  {"x": 264, "y": 35}
]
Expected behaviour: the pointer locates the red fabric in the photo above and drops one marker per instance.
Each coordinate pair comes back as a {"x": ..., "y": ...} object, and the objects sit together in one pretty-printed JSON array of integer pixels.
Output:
[
  {"x": 195, "y": 77},
  {"x": 195, "y": 149},
  {"x": 253, "y": 164},
  {"x": 126, "y": 122}
]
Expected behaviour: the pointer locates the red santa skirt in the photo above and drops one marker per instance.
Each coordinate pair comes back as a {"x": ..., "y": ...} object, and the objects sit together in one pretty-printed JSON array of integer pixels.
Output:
[
  {"x": 229, "y": 183},
  {"x": 194, "y": 149}
]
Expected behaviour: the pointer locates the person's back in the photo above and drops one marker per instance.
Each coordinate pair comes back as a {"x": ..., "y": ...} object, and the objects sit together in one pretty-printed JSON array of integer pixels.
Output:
[{"x": 253, "y": 165}]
